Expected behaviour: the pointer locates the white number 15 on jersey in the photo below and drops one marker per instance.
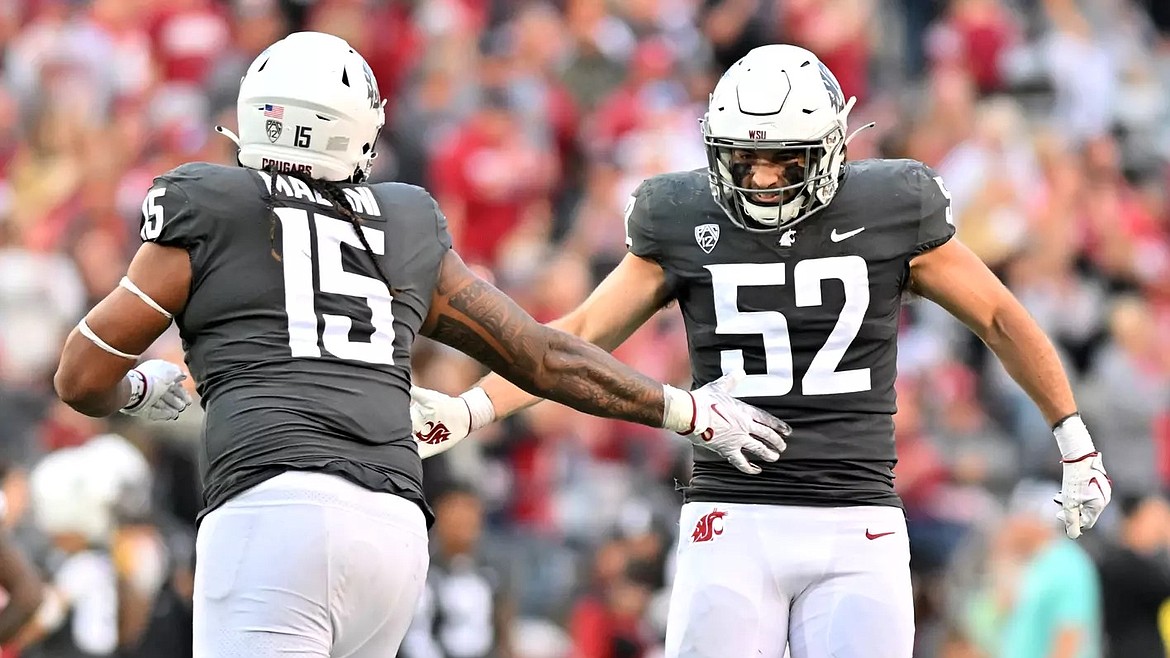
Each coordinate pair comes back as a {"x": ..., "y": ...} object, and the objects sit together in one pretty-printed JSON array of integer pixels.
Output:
[{"x": 299, "y": 294}]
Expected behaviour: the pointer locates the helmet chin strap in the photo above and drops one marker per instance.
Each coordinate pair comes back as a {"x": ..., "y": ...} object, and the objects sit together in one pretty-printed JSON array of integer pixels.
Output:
[
  {"x": 754, "y": 210},
  {"x": 783, "y": 211}
]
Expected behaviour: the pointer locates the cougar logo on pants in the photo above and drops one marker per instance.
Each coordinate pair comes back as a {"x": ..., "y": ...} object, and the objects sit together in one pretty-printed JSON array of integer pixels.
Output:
[{"x": 706, "y": 529}]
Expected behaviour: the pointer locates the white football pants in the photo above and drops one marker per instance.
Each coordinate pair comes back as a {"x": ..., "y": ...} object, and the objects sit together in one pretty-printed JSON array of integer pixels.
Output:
[
  {"x": 308, "y": 565},
  {"x": 823, "y": 582}
]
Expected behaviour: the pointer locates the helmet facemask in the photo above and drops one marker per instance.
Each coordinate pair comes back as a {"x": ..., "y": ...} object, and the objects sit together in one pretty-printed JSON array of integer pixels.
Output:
[
  {"x": 809, "y": 181},
  {"x": 777, "y": 102}
]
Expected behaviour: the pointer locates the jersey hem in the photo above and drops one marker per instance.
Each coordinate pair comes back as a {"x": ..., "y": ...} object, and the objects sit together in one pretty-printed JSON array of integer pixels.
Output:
[
  {"x": 264, "y": 473},
  {"x": 879, "y": 500}
]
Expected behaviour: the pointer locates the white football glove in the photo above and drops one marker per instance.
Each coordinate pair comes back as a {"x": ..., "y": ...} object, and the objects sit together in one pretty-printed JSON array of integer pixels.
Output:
[
  {"x": 1085, "y": 489},
  {"x": 711, "y": 418},
  {"x": 440, "y": 421},
  {"x": 156, "y": 391}
]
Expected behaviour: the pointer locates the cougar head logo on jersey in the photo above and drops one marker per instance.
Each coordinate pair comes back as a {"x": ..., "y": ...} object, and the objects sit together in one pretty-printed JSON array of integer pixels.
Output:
[
  {"x": 706, "y": 529},
  {"x": 707, "y": 235},
  {"x": 322, "y": 84},
  {"x": 788, "y": 238},
  {"x": 435, "y": 433},
  {"x": 775, "y": 133}
]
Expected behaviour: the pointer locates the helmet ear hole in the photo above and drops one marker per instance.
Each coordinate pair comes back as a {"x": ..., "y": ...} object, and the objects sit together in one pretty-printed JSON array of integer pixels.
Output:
[{"x": 344, "y": 77}]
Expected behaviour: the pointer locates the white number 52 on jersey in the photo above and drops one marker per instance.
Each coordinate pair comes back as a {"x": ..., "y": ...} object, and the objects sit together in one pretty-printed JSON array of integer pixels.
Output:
[{"x": 822, "y": 377}]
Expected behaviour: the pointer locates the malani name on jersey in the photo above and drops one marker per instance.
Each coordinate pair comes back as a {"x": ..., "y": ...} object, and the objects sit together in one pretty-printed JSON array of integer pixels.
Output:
[{"x": 361, "y": 198}]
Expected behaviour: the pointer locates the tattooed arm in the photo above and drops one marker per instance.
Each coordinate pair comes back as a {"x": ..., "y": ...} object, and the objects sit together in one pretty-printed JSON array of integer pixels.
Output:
[
  {"x": 469, "y": 314},
  {"x": 624, "y": 301},
  {"x": 474, "y": 317}
]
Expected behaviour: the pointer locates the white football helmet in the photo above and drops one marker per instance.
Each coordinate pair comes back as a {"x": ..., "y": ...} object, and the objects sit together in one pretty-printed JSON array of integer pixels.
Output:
[
  {"x": 67, "y": 496},
  {"x": 125, "y": 471},
  {"x": 777, "y": 97},
  {"x": 86, "y": 489},
  {"x": 310, "y": 104}
]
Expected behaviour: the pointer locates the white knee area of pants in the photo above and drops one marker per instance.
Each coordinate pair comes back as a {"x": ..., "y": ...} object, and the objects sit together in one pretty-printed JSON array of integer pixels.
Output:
[
  {"x": 309, "y": 564},
  {"x": 819, "y": 582},
  {"x": 724, "y": 601}
]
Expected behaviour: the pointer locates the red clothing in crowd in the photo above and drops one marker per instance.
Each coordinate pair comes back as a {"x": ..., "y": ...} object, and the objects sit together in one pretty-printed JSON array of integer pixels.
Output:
[
  {"x": 597, "y": 631},
  {"x": 188, "y": 39},
  {"x": 485, "y": 183}
]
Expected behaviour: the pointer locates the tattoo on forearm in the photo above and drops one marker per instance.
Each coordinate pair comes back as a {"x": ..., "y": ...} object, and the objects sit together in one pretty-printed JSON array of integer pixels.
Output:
[{"x": 487, "y": 325}]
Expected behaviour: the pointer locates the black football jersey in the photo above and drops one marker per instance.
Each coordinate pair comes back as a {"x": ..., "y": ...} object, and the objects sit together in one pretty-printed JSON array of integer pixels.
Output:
[
  {"x": 300, "y": 352},
  {"x": 811, "y": 315}
]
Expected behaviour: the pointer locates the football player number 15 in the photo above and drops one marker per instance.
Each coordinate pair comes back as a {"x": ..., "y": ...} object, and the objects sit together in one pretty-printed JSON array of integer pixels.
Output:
[
  {"x": 300, "y": 296},
  {"x": 822, "y": 376},
  {"x": 152, "y": 214}
]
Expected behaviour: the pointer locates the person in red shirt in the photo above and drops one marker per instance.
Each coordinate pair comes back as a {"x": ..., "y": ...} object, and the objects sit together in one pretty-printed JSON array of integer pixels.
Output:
[
  {"x": 607, "y": 620},
  {"x": 489, "y": 179},
  {"x": 973, "y": 37},
  {"x": 837, "y": 31},
  {"x": 651, "y": 68},
  {"x": 188, "y": 36}
]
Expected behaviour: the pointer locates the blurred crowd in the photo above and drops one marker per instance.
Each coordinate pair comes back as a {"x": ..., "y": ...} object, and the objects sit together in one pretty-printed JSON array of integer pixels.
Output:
[{"x": 531, "y": 122}]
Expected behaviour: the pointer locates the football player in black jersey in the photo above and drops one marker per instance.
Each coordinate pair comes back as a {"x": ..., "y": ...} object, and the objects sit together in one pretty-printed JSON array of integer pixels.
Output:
[
  {"x": 298, "y": 290},
  {"x": 790, "y": 262}
]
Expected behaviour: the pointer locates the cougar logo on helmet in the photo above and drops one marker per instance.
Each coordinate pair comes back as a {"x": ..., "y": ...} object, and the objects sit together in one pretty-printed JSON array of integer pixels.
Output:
[
  {"x": 371, "y": 87},
  {"x": 836, "y": 96}
]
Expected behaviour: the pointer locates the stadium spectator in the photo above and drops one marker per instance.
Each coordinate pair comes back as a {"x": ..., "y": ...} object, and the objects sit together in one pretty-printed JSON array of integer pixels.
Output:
[{"x": 1135, "y": 579}]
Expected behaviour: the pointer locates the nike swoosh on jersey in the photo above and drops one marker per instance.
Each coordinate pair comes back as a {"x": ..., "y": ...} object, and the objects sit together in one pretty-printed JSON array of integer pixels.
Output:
[
  {"x": 871, "y": 536},
  {"x": 838, "y": 237}
]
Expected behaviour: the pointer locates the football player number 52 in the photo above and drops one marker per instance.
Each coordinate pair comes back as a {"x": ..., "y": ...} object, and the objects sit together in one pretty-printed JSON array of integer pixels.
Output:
[
  {"x": 822, "y": 376},
  {"x": 300, "y": 296}
]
